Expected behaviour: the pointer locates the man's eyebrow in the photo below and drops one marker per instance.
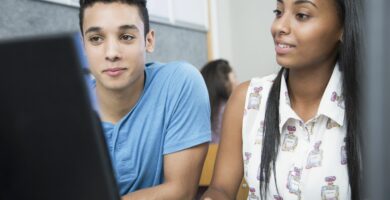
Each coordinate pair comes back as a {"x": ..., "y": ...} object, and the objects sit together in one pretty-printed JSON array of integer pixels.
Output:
[
  {"x": 127, "y": 27},
  {"x": 92, "y": 29},
  {"x": 305, "y": 1},
  {"x": 122, "y": 28}
]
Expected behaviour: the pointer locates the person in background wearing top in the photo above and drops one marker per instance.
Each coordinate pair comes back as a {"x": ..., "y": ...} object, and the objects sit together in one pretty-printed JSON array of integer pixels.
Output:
[{"x": 220, "y": 80}]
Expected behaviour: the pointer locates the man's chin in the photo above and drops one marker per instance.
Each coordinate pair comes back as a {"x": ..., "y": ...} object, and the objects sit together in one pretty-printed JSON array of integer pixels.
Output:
[
  {"x": 116, "y": 88},
  {"x": 113, "y": 86}
]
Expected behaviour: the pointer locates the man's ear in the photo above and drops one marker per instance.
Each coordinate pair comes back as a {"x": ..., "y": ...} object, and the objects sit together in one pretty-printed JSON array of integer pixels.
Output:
[{"x": 149, "y": 41}]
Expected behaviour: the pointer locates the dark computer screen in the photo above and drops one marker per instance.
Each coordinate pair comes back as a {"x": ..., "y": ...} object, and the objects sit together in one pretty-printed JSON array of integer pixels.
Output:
[{"x": 51, "y": 142}]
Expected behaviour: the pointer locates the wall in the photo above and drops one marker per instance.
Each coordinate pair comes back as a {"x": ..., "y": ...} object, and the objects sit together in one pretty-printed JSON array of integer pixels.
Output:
[
  {"x": 375, "y": 97},
  {"x": 174, "y": 43},
  {"x": 21, "y": 18},
  {"x": 244, "y": 36}
]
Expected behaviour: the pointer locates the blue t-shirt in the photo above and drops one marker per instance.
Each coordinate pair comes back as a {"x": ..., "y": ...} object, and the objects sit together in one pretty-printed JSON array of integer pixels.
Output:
[{"x": 172, "y": 114}]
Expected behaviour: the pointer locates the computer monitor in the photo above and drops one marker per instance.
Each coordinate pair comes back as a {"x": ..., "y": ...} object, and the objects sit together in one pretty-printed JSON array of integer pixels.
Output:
[{"x": 51, "y": 142}]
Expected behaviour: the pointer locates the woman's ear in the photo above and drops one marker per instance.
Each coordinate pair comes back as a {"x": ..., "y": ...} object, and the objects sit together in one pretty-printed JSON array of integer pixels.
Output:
[
  {"x": 149, "y": 41},
  {"x": 341, "y": 36}
]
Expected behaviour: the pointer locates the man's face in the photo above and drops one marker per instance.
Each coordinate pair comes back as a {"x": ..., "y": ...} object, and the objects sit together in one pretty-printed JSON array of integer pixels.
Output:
[{"x": 115, "y": 44}]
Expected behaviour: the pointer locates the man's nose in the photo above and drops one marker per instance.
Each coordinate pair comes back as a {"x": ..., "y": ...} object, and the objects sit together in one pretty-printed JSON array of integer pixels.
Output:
[{"x": 112, "y": 50}]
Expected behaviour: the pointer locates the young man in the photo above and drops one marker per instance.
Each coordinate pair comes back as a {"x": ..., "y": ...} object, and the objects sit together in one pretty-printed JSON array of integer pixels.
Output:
[{"x": 155, "y": 117}]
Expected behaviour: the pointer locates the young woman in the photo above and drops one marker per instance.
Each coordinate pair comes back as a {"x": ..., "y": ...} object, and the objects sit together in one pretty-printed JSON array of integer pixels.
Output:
[
  {"x": 220, "y": 80},
  {"x": 295, "y": 135}
]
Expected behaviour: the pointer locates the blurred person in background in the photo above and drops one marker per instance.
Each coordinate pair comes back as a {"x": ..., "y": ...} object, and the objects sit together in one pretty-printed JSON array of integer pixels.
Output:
[{"x": 220, "y": 80}]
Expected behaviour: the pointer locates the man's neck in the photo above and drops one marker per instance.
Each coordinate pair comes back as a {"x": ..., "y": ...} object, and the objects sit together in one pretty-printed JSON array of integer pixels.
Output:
[{"x": 115, "y": 104}]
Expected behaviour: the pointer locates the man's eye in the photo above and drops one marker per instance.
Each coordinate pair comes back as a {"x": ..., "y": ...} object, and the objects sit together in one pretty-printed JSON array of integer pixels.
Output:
[
  {"x": 127, "y": 37},
  {"x": 95, "y": 39}
]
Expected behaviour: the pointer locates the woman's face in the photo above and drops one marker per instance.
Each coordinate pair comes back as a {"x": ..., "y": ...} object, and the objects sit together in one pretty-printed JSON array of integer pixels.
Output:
[{"x": 306, "y": 33}]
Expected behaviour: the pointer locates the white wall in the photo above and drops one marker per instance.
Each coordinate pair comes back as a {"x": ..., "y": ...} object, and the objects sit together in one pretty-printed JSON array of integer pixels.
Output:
[
  {"x": 244, "y": 38},
  {"x": 191, "y": 14}
]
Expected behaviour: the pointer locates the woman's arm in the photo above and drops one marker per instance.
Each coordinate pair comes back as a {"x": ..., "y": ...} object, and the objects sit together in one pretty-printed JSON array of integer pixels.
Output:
[{"x": 228, "y": 171}]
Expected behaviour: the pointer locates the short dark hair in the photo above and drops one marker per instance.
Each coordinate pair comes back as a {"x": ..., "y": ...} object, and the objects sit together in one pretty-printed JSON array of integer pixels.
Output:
[{"x": 141, "y": 5}]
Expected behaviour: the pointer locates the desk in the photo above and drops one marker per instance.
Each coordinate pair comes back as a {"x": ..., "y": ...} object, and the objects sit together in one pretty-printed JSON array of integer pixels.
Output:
[{"x": 207, "y": 173}]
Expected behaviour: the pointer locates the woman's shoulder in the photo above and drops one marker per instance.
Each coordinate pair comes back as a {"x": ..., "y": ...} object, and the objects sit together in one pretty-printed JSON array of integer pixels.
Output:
[
  {"x": 256, "y": 82},
  {"x": 263, "y": 82}
]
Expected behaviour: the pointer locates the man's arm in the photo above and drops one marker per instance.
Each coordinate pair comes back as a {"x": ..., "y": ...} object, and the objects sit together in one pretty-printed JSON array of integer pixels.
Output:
[
  {"x": 187, "y": 136},
  {"x": 181, "y": 176}
]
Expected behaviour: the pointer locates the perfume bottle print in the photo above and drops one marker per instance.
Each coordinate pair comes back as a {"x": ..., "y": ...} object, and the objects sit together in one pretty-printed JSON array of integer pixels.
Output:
[
  {"x": 315, "y": 157},
  {"x": 290, "y": 140},
  {"x": 252, "y": 194},
  {"x": 259, "y": 134},
  {"x": 277, "y": 197},
  {"x": 287, "y": 98},
  {"x": 248, "y": 156},
  {"x": 331, "y": 124},
  {"x": 330, "y": 191},
  {"x": 293, "y": 181},
  {"x": 339, "y": 99},
  {"x": 255, "y": 98},
  {"x": 344, "y": 153}
]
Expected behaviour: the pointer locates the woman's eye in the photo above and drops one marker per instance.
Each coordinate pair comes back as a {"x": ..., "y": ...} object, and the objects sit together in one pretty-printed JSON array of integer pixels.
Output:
[
  {"x": 127, "y": 37},
  {"x": 302, "y": 16},
  {"x": 277, "y": 12}
]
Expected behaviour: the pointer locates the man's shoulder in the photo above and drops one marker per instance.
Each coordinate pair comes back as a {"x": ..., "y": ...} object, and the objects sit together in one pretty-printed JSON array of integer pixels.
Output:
[
  {"x": 175, "y": 68},
  {"x": 175, "y": 75}
]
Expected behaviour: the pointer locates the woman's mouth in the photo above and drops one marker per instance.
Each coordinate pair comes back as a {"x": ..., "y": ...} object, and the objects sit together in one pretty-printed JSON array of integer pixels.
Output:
[{"x": 283, "y": 48}]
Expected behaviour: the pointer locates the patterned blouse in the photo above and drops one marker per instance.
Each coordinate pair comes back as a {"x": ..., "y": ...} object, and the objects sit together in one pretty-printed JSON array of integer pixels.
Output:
[{"x": 311, "y": 163}]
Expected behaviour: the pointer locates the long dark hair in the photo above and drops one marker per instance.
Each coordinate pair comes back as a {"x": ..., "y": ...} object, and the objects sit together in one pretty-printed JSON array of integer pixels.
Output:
[
  {"x": 216, "y": 76},
  {"x": 348, "y": 61}
]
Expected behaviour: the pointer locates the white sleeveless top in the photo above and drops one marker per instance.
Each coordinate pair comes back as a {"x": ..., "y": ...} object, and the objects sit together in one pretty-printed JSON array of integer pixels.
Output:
[{"x": 311, "y": 163}]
